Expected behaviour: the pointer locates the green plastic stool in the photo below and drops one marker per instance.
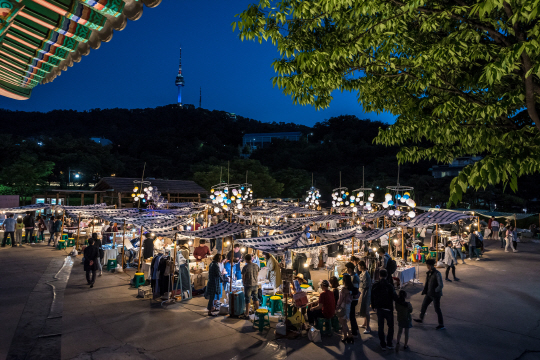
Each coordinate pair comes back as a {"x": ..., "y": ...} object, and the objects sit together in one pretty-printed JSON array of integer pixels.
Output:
[
  {"x": 265, "y": 300},
  {"x": 8, "y": 241},
  {"x": 111, "y": 264},
  {"x": 325, "y": 326},
  {"x": 138, "y": 280},
  {"x": 425, "y": 249},
  {"x": 85, "y": 242},
  {"x": 70, "y": 242},
  {"x": 65, "y": 236},
  {"x": 34, "y": 239},
  {"x": 423, "y": 258},
  {"x": 61, "y": 244},
  {"x": 275, "y": 304},
  {"x": 433, "y": 254},
  {"x": 262, "y": 319},
  {"x": 335, "y": 324}
]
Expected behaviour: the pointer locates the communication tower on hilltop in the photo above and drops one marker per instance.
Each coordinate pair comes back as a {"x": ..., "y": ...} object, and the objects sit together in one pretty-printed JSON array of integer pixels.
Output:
[{"x": 180, "y": 80}]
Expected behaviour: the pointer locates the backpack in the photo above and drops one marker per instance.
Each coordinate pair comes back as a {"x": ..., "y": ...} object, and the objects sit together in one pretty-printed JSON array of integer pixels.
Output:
[{"x": 391, "y": 267}]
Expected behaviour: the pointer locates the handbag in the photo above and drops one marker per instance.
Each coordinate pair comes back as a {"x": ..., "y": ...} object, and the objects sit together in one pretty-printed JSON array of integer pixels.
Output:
[{"x": 91, "y": 263}]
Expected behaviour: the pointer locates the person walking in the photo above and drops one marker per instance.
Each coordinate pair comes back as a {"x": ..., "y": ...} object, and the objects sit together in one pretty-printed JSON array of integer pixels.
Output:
[
  {"x": 404, "y": 310},
  {"x": 383, "y": 296},
  {"x": 250, "y": 274},
  {"x": 450, "y": 261},
  {"x": 29, "y": 224},
  {"x": 213, "y": 287},
  {"x": 355, "y": 279},
  {"x": 41, "y": 227},
  {"x": 510, "y": 238},
  {"x": 457, "y": 245},
  {"x": 19, "y": 226},
  {"x": 9, "y": 230},
  {"x": 343, "y": 308},
  {"x": 365, "y": 296},
  {"x": 433, "y": 293},
  {"x": 494, "y": 228},
  {"x": 91, "y": 256},
  {"x": 101, "y": 253},
  {"x": 472, "y": 246},
  {"x": 55, "y": 232}
]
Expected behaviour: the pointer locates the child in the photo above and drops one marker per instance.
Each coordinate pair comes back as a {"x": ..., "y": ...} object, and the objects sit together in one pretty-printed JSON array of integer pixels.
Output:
[{"x": 404, "y": 310}]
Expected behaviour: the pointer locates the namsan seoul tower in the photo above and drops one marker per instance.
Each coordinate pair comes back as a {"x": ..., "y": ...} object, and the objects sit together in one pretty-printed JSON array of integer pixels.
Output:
[{"x": 180, "y": 80}]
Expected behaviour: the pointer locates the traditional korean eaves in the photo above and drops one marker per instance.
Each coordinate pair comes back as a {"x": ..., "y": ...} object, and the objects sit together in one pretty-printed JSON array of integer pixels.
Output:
[{"x": 41, "y": 38}]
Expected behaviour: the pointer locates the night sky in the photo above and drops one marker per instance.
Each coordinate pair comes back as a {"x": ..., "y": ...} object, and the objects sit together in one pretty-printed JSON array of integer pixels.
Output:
[{"x": 137, "y": 69}]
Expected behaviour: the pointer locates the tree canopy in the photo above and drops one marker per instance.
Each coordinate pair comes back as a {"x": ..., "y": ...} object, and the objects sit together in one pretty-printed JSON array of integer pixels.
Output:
[{"x": 461, "y": 75}]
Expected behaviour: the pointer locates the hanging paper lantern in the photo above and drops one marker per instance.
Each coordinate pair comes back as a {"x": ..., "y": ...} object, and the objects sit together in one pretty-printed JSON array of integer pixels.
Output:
[
  {"x": 397, "y": 212},
  {"x": 411, "y": 214},
  {"x": 371, "y": 195},
  {"x": 368, "y": 204},
  {"x": 407, "y": 193},
  {"x": 352, "y": 205},
  {"x": 136, "y": 198},
  {"x": 385, "y": 205},
  {"x": 387, "y": 197},
  {"x": 361, "y": 203},
  {"x": 390, "y": 202},
  {"x": 355, "y": 209},
  {"x": 391, "y": 212},
  {"x": 239, "y": 206},
  {"x": 216, "y": 209}
]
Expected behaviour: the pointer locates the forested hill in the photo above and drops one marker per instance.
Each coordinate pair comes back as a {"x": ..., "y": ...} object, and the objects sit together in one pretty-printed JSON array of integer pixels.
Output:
[{"x": 196, "y": 144}]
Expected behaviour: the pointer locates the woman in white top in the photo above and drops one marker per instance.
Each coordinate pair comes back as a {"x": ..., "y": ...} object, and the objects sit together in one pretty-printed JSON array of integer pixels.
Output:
[
  {"x": 511, "y": 236},
  {"x": 450, "y": 261}
]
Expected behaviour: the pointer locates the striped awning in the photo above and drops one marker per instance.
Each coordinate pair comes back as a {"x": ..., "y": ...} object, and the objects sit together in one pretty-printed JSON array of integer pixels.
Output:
[
  {"x": 373, "y": 234},
  {"x": 435, "y": 217},
  {"x": 274, "y": 244},
  {"x": 216, "y": 231}
]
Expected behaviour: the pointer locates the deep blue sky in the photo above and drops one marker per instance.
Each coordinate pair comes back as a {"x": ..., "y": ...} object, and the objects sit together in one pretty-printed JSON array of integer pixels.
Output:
[{"x": 137, "y": 69}]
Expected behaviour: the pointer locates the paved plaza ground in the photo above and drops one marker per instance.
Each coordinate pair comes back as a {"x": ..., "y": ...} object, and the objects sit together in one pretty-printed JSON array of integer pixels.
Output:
[{"x": 48, "y": 312}]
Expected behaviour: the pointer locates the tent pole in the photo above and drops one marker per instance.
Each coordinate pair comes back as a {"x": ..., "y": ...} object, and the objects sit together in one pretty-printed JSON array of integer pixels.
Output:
[
  {"x": 437, "y": 244},
  {"x": 140, "y": 251},
  {"x": 78, "y": 231},
  {"x": 402, "y": 245},
  {"x": 123, "y": 242}
]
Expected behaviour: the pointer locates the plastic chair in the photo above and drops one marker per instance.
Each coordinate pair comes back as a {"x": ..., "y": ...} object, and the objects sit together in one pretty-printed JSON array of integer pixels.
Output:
[
  {"x": 138, "y": 280},
  {"x": 61, "y": 244},
  {"x": 111, "y": 264},
  {"x": 325, "y": 326},
  {"x": 262, "y": 319},
  {"x": 70, "y": 242},
  {"x": 275, "y": 304},
  {"x": 65, "y": 236}
]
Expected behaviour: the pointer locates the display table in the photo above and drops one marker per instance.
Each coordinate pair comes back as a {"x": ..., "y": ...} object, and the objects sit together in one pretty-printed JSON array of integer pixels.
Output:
[
  {"x": 110, "y": 254},
  {"x": 405, "y": 275}
]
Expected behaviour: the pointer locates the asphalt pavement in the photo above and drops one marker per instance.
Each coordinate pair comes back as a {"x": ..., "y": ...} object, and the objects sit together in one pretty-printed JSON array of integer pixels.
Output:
[{"x": 492, "y": 313}]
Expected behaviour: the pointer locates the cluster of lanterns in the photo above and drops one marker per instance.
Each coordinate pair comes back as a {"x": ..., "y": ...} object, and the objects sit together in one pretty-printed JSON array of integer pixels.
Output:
[
  {"x": 227, "y": 199},
  {"x": 148, "y": 193},
  {"x": 405, "y": 198},
  {"x": 312, "y": 198},
  {"x": 339, "y": 198}
]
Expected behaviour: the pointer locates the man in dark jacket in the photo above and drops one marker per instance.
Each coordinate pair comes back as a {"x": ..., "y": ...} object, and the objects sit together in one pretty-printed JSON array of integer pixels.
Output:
[
  {"x": 433, "y": 292},
  {"x": 29, "y": 223},
  {"x": 383, "y": 296},
  {"x": 91, "y": 256}
]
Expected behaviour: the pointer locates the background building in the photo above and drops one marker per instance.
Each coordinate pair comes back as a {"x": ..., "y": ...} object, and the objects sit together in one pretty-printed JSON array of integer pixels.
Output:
[{"x": 453, "y": 169}]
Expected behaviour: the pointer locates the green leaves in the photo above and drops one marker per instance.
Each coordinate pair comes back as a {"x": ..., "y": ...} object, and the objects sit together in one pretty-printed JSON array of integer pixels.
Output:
[{"x": 454, "y": 74}]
